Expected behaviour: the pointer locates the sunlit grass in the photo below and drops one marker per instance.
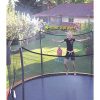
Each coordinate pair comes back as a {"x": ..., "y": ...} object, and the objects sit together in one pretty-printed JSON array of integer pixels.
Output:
[{"x": 31, "y": 58}]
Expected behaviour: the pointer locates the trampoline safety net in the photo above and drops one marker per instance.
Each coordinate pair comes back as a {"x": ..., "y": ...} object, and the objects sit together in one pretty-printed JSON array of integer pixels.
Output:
[{"x": 39, "y": 57}]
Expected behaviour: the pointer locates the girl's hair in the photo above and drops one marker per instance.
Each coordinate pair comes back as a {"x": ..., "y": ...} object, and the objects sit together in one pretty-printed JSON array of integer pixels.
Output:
[{"x": 69, "y": 34}]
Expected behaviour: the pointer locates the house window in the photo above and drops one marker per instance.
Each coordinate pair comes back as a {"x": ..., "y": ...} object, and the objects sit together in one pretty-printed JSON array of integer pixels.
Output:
[{"x": 71, "y": 19}]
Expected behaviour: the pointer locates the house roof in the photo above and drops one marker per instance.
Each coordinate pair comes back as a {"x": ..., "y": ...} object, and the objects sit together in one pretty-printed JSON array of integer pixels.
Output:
[{"x": 69, "y": 10}]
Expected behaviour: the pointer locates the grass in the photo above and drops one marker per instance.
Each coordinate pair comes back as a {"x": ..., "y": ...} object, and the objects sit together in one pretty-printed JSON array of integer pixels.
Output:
[{"x": 32, "y": 62}]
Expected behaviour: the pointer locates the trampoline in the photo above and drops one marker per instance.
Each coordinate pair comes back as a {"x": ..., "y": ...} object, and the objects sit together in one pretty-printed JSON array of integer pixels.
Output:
[
  {"x": 38, "y": 76},
  {"x": 57, "y": 87}
]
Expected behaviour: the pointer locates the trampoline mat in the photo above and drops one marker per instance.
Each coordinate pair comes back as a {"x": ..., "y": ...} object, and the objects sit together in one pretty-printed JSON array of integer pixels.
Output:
[{"x": 62, "y": 87}]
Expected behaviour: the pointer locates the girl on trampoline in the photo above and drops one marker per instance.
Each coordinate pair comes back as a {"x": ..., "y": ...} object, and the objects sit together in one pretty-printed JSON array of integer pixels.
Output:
[{"x": 70, "y": 52}]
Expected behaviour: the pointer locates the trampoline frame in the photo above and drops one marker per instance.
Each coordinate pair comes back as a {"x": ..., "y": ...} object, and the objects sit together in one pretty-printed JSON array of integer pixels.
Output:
[
  {"x": 50, "y": 75},
  {"x": 42, "y": 71}
]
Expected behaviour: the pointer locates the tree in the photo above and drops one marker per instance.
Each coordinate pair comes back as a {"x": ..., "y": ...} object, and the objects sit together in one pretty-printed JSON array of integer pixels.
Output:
[{"x": 19, "y": 25}]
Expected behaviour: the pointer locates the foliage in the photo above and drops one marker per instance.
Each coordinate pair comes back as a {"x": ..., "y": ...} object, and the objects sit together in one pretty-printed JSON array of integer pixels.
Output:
[
  {"x": 17, "y": 26},
  {"x": 20, "y": 25},
  {"x": 89, "y": 44}
]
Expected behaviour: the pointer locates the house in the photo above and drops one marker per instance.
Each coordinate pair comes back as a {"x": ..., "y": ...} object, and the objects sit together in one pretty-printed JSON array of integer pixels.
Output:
[{"x": 68, "y": 14}]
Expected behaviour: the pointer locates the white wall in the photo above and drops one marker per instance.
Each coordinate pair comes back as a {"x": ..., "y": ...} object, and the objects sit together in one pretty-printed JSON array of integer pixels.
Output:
[
  {"x": 82, "y": 20},
  {"x": 77, "y": 20},
  {"x": 64, "y": 19}
]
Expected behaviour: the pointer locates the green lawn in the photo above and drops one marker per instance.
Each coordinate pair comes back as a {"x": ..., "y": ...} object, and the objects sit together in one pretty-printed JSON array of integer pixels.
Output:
[{"x": 32, "y": 65}]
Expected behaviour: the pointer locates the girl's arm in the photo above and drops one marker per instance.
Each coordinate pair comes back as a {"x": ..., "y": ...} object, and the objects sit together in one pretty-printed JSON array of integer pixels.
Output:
[{"x": 81, "y": 40}]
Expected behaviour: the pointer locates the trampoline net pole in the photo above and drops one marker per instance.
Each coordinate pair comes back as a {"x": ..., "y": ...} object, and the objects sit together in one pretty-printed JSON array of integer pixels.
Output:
[
  {"x": 42, "y": 71},
  {"x": 9, "y": 78},
  {"x": 22, "y": 65}
]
